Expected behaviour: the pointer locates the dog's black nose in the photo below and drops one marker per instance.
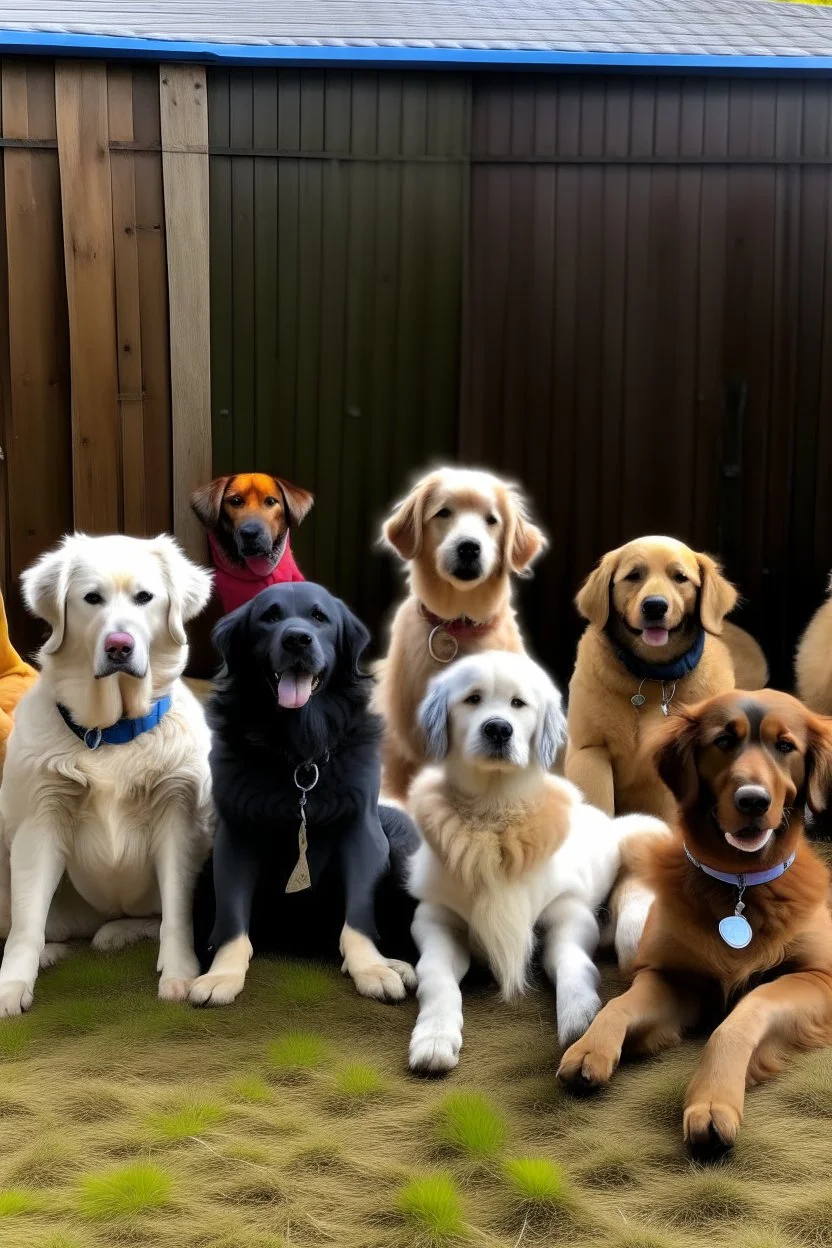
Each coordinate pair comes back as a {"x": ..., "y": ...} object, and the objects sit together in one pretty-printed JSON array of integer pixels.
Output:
[
  {"x": 296, "y": 641},
  {"x": 752, "y": 799},
  {"x": 497, "y": 730},
  {"x": 468, "y": 551},
  {"x": 250, "y": 531},
  {"x": 654, "y": 607}
]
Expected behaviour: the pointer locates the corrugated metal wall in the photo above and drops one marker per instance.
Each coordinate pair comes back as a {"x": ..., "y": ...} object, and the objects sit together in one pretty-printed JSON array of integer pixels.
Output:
[
  {"x": 337, "y": 216},
  {"x": 648, "y": 343}
]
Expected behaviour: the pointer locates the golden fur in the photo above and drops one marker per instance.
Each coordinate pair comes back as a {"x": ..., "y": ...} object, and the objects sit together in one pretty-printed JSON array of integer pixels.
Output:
[
  {"x": 416, "y": 533},
  {"x": 813, "y": 665},
  {"x": 606, "y": 731},
  {"x": 16, "y": 677},
  {"x": 777, "y": 991}
]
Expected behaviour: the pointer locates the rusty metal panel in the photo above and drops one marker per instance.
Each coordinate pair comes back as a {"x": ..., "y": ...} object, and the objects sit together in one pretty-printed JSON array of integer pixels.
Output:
[
  {"x": 648, "y": 314},
  {"x": 337, "y": 220}
]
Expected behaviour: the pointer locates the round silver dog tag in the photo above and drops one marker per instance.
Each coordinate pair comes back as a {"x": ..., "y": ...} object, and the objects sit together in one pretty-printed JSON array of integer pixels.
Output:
[
  {"x": 638, "y": 699},
  {"x": 448, "y": 643}
]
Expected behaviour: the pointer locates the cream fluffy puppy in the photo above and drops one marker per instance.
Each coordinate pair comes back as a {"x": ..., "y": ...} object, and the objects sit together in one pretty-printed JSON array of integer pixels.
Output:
[{"x": 508, "y": 850}]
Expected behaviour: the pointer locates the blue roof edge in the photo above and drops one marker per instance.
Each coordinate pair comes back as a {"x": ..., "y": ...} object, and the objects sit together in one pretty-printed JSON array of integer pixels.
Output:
[{"x": 403, "y": 56}]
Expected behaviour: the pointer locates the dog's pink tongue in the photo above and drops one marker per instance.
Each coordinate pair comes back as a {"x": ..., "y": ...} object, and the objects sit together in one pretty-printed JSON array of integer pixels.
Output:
[
  {"x": 655, "y": 636},
  {"x": 260, "y": 565},
  {"x": 294, "y": 690}
]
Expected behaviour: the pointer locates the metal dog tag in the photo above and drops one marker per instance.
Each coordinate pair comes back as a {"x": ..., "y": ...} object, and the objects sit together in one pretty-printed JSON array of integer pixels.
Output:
[
  {"x": 638, "y": 699},
  {"x": 300, "y": 878},
  {"x": 735, "y": 931}
]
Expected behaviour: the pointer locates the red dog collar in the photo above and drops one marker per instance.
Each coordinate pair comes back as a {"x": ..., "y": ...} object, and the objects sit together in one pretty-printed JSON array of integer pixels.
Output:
[{"x": 462, "y": 626}]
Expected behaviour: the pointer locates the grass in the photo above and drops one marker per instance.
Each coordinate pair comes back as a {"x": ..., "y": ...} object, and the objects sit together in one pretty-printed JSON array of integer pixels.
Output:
[
  {"x": 537, "y": 1182},
  {"x": 296, "y": 1051},
  {"x": 432, "y": 1206},
  {"x": 469, "y": 1124},
  {"x": 303, "y": 983},
  {"x": 703, "y": 1199},
  {"x": 125, "y": 1191},
  {"x": 190, "y": 1119},
  {"x": 14, "y": 1201},
  {"x": 358, "y": 1082},
  {"x": 251, "y": 1088}
]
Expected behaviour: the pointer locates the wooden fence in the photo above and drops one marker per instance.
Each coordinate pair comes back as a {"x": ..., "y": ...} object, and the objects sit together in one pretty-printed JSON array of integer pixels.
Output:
[{"x": 104, "y": 328}]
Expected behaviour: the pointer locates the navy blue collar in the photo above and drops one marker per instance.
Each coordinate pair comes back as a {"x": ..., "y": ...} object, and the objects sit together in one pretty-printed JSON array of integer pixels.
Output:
[
  {"x": 642, "y": 670},
  {"x": 122, "y": 731}
]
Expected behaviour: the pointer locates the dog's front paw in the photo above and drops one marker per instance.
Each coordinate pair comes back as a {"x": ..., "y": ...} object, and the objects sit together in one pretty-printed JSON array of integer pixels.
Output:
[
  {"x": 575, "y": 1013},
  {"x": 15, "y": 997},
  {"x": 386, "y": 980},
  {"x": 711, "y": 1129},
  {"x": 584, "y": 1069},
  {"x": 174, "y": 988},
  {"x": 52, "y": 953},
  {"x": 119, "y": 933},
  {"x": 434, "y": 1049},
  {"x": 217, "y": 988}
]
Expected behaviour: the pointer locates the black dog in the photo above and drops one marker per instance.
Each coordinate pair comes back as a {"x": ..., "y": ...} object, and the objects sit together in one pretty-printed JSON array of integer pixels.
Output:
[{"x": 302, "y": 846}]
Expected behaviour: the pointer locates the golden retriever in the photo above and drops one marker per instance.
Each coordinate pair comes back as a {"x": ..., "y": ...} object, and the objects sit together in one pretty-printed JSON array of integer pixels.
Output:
[
  {"x": 740, "y": 928},
  {"x": 813, "y": 665},
  {"x": 462, "y": 534},
  {"x": 656, "y": 611}
]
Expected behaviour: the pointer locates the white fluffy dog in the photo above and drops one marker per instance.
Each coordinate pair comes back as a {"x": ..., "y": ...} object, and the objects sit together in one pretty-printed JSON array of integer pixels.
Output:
[
  {"x": 105, "y": 801},
  {"x": 506, "y": 848}
]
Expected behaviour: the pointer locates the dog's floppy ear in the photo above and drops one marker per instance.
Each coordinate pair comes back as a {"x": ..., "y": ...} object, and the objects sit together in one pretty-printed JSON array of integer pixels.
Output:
[
  {"x": 355, "y": 638},
  {"x": 524, "y": 540},
  {"x": 207, "y": 502},
  {"x": 593, "y": 600},
  {"x": 551, "y": 727},
  {"x": 717, "y": 596},
  {"x": 45, "y": 587},
  {"x": 229, "y": 636},
  {"x": 819, "y": 764},
  {"x": 403, "y": 530},
  {"x": 297, "y": 502},
  {"x": 433, "y": 717},
  {"x": 673, "y": 749},
  {"x": 188, "y": 586}
]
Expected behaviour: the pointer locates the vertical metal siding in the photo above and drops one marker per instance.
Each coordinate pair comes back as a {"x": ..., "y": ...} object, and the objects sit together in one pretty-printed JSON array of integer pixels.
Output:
[
  {"x": 649, "y": 285},
  {"x": 337, "y": 215}
]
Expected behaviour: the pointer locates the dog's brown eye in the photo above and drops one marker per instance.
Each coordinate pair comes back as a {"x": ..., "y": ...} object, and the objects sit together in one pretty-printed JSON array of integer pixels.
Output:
[
  {"x": 270, "y": 502},
  {"x": 518, "y": 704},
  {"x": 491, "y": 519},
  {"x": 724, "y": 742},
  {"x": 473, "y": 699},
  {"x": 270, "y": 616},
  {"x": 142, "y": 598},
  {"x": 680, "y": 578},
  {"x": 443, "y": 513},
  {"x": 317, "y": 614},
  {"x": 93, "y": 598},
  {"x": 785, "y": 747},
  {"x": 635, "y": 575},
  {"x": 235, "y": 500}
]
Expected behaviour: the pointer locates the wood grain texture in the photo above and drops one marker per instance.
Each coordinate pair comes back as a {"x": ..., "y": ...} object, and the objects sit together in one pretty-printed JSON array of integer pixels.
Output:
[
  {"x": 184, "y": 125},
  {"x": 86, "y": 197},
  {"x": 128, "y": 303},
  {"x": 37, "y": 411}
]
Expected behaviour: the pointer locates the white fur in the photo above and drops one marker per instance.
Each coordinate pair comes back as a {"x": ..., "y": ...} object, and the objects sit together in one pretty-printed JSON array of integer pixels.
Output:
[
  {"x": 99, "y": 843},
  {"x": 477, "y": 909}
]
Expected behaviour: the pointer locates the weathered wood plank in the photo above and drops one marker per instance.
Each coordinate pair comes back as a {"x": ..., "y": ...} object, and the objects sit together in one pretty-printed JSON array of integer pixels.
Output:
[
  {"x": 184, "y": 123},
  {"x": 86, "y": 197},
  {"x": 128, "y": 305}
]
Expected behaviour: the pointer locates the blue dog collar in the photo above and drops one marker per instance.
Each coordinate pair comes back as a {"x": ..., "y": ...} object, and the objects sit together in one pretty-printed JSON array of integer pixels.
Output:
[
  {"x": 122, "y": 731},
  {"x": 747, "y": 879},
  {"x": 642, "y": 670}
]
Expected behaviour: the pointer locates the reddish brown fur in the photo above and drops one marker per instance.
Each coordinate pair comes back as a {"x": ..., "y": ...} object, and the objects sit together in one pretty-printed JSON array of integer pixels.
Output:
[
  {"x": 782, "y": 982},
  {"x": 276, "y": 502}
]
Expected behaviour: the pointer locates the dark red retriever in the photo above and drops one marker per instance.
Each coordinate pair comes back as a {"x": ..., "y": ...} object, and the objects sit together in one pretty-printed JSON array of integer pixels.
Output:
[{"x": 740, "y": 928}]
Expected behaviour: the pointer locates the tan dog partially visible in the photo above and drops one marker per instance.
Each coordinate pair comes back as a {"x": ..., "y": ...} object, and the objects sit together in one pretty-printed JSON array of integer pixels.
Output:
[
  {"x": 813, "y": 664},
  {"x": 648, "y": 604},
  {"x": 462, "y": 533}
]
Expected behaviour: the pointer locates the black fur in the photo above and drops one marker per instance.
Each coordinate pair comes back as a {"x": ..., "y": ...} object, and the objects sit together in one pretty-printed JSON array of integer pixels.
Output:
[{"x": 357, "y": 851}]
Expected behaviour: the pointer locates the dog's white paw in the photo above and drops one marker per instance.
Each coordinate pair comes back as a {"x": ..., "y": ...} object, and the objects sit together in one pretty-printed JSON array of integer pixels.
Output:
[
  {"x": 173, "y": 988},
  {"x": 576, "y": 1011},
  {"x": 386, "y": 980},
  {"x": 120, "y": 933},
  {"x": 218, "y": 988},
  {"x": 15, "y": 997},
  {"x": 53, "y": 953},
  {"x": 434, "y": 1049}
]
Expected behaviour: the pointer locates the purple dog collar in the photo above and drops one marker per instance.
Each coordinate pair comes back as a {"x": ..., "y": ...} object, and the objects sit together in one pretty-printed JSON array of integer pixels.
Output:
[{"x": 734, "y": 929}]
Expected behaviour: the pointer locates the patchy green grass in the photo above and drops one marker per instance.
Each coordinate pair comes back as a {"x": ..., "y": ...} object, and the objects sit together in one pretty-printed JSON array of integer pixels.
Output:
[
  {"x": 191, "y": 1118},
  {"x": 469, "y": 1124},
  {"x": 537, "y": 1181},
  {"x": 251, "y": 1088},
  {"x": 125, "y": 1191},
  {"x": 432, "y": 1205},
  {"x": 303, "y": 983},
  {"x": 296, "y": 1051},
  {"x": 702, "y": 1199},
  {"x": 358, "y": 1082},
  {"x": 14, "y": 1201},
  {"x": 16, "y": 1036}
]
